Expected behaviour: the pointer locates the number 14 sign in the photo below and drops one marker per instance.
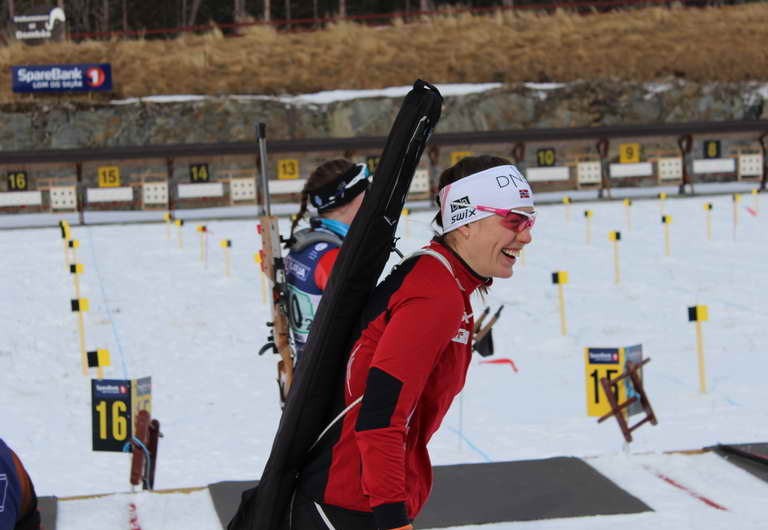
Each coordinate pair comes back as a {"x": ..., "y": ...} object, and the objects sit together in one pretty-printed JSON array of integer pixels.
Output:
[{"x": 609, "y": 363}]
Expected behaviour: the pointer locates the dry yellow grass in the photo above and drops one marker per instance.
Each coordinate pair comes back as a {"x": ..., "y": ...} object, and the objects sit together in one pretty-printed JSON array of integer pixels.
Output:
[{"x": 714, "y": 44}]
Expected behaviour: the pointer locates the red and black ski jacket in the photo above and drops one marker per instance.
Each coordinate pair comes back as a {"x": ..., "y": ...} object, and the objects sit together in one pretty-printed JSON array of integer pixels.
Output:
[{"x": 408, "y": 363}]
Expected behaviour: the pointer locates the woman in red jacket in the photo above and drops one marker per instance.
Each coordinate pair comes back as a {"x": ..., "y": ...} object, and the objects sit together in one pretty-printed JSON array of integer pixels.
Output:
[{"x": 370, "y": 469}]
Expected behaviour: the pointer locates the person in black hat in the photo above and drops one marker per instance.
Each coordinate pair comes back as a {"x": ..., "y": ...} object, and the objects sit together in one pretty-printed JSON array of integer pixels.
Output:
[{"x": 336, "y": 190}]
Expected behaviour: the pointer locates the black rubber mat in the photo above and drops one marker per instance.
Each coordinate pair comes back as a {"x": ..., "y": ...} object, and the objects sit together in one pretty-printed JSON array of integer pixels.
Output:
[
  {"x": 749, "y": 457},
  {"x": 48, "y": 507},
  {"x": 527, "y": 490},
  {"x": 226, "y": 498}
]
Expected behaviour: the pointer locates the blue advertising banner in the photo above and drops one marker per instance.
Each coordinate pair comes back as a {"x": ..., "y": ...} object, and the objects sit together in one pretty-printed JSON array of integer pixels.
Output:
[{"x": 61, "y": 78}]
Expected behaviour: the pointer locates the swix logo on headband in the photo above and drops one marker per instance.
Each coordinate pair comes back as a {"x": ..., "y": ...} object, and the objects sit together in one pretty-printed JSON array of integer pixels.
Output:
[
  {"x": 458, "y": 204},
  {"x": 464, "y": 214}
]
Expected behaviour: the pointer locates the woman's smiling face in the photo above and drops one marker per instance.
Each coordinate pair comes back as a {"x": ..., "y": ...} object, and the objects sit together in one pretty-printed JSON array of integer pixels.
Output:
[{"x": 490, "y": 247}]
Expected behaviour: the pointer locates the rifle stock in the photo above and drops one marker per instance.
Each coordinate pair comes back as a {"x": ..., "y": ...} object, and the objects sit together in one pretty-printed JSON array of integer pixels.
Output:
[{"x": 274, "y": 268}]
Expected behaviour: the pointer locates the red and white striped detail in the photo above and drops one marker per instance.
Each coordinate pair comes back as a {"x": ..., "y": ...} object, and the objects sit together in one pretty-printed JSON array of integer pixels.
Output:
[
  {"x": 695, "y": 495},
  {"x": 133, "y": 517}
]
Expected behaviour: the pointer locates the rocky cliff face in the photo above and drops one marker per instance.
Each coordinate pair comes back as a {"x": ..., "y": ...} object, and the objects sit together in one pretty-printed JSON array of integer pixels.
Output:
[{"x": 73, "y": 124}]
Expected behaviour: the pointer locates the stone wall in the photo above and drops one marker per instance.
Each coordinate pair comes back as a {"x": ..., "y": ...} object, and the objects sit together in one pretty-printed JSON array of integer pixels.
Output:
[{"x": 75, "y": 124}]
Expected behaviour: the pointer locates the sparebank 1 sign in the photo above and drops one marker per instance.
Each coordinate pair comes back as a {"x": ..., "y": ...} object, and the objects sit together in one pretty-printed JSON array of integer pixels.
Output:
[{"x": 61, "y": 78}]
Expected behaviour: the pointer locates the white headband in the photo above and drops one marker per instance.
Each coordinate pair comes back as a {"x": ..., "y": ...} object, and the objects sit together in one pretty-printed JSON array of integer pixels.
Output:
[{"x": 500, "y": 187}]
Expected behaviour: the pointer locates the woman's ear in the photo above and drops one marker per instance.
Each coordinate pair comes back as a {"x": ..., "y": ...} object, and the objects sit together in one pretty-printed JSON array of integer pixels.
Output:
[{"x": 465, "y": 231}]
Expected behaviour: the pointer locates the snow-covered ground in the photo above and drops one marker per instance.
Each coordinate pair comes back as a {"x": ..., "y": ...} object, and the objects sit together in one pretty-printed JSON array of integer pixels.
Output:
[{"x": 160, "y": 312}]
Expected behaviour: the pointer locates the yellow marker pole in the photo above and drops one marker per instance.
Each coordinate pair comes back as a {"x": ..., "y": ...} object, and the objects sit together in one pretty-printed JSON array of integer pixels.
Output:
[
  {"x": 203, "y": 244},
  {"x": 226, "y": 244},
  {"x": 615, "y": 236},
  {"x": 662, "y": 200},
  {"x": 179, "y": 233},
  {"x": 666, "y": 220},
  {"x": 756, "y": 198},
  {"x": 560, "y": 278},
  {"x": 628, "y": 210},
  {"x": 259, "y": 259},
  {"x": 708, "y": 208},
  {"x": 167, "y": 218},
  {"x": 76, "y": 269},
  {"x": 73, "y": 245},
  {"x": 66, "y": 235},
  {"x": 79, "y": 306},
  {"x": 567, "y": 201},
  {"x": 700, "y": 353},
  {"x": 407, "y": 215},
  {"x": 588, "y": 217},
  {"x": 699, "y": 314},
  {"x": 81, "y": 329}
]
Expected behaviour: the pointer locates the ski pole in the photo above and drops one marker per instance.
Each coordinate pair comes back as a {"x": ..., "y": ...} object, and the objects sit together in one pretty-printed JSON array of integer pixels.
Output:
[
  {"x": 567, "y": 201},
  {"x": 662, "y": 200},
  {"x": 736, "y": 200},
  {"x": 708, "y": 208}
]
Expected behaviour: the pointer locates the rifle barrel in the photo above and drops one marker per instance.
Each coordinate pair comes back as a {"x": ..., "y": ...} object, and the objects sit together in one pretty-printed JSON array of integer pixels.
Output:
[
  {"x": 481, "y": 319},
  {"x": 261, "y": 129}
]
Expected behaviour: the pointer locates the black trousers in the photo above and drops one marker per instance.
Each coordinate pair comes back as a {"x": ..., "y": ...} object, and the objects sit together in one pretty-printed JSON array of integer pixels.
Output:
[{"x": 305, "y": 514}]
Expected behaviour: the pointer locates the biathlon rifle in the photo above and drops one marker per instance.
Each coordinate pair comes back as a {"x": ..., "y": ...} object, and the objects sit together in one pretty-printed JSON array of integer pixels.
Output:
[
  {"x": 274, "y": 267},
  {"x": 483, "y": 343}
]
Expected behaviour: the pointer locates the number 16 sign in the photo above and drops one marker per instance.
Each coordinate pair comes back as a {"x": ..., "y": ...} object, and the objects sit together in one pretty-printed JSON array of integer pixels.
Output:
[{"x": 114, "y": 405}]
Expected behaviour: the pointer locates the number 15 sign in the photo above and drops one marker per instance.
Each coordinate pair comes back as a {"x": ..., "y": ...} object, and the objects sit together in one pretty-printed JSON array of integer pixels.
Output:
[{"x": 609, "y": 363}]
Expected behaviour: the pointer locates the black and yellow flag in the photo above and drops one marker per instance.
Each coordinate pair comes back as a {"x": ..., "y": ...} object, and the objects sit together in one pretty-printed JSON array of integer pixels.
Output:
[{"x": 98, "y": 358}]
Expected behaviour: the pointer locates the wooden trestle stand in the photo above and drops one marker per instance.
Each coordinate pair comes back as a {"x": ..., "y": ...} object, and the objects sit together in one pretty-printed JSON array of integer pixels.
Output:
[{"x": 617, "y": 409}]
